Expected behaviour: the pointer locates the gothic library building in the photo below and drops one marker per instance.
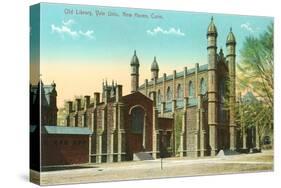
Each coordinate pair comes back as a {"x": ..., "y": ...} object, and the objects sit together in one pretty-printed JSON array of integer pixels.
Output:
[{"x": 188, "y": 113}]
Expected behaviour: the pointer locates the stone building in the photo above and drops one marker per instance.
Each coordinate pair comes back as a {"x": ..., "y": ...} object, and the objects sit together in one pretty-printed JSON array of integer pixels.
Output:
[
  {"x": 122, "y": 125},
  {"x": 51, "y": 144},
  {"x": 197, "y": 99},
  {"x": 185, "y": 112}
]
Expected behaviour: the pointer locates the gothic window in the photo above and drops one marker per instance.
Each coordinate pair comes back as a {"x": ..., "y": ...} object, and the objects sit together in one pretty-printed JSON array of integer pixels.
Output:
[
  {"x": 179, "y": 92},
  {"x": 203, "y": 87},
  {"x": 137, "y": 120},
  {"x": 159, "y": 97},
  {"x": 169, "y": 94},
  {"x": 190, "y": 89}
]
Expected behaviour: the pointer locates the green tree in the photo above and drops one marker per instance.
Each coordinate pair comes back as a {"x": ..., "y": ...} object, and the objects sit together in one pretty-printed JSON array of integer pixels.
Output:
[
  {"x": 256, "y": 67},
  {"x": 255, "y": 74}
]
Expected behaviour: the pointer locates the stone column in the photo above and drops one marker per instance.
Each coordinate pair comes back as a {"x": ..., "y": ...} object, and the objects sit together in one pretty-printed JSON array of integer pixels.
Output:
[
  {"x": 174, "y": 84},
  {"x": 212, "y": 86},
  {"x": 90, "y": 147},
  {"x": 154, "y": 126},
  {"x": 174, "y": 105},
  {"x": 196, "y": 85},
  {"x": 202, "y": 129},
  {"x": 162, "y": 108},
  {"x": 185, "y": 82},
  {"x": 99, "y": 148},
  {"x": 164, "y": 87},
  {"x": 120, "y": 130},
  {"x": 100, "y": 132},
  {"x": 110, "y": 147},
  {"x": 182, "y": 134},
  {"x": 144, "y": 133}
]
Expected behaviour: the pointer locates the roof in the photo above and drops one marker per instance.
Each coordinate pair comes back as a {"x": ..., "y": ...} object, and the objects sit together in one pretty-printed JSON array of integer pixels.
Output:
[
  {"x": 230, "y": 37},
  {"x": 178, "y": 75},
  {"x": 212, "y": 28},
  {"x": 135, "y": 60},
  {"x": 66, "y": 130},
  {"x": 154, "y": 65}
]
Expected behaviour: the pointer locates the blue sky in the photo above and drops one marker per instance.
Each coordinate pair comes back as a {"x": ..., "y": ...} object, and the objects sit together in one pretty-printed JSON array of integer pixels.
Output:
[
  {"x": 79, "y": 51},
  {"x": 179, "y": 36}
]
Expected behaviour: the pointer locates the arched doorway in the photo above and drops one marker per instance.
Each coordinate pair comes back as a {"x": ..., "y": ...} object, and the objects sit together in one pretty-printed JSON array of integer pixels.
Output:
[{"x": 137, "y": 130}]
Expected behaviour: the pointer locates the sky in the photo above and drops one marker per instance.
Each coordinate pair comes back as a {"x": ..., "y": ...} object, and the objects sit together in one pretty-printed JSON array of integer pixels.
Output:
[{"x": 80, "y": 46}]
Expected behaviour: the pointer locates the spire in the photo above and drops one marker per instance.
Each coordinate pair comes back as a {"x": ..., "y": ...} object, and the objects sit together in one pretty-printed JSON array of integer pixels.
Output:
[
  {"x": 230, "y": 37},
  {"x": 135, "y": 60},
  {"x": 212, "y": 28},
  {"x": 154, "y": 65}
]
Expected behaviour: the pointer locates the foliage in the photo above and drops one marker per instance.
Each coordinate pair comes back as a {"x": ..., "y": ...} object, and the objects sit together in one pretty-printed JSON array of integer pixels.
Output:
[
  {"x": 255, "y": 75},
  {"x": 256, "y": 67}
]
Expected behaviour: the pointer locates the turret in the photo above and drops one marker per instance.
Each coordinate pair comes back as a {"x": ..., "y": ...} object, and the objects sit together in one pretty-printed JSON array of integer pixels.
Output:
[
  {"x": 134, "y": 73},
  {"x": 154, "y": 69},
  {"x": 230, "y": 58},
  {"x": 212, "y": 86}
]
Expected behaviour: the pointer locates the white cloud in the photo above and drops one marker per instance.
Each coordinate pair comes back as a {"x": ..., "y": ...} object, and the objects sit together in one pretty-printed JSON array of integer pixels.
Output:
[
  {"x": 247, "y": 26},
  {"x": 66, "y": 29},
  {"x": 88, "y": 34},
  {"x": 170, "y": 31},
  {"x": 68, "y": 22}
]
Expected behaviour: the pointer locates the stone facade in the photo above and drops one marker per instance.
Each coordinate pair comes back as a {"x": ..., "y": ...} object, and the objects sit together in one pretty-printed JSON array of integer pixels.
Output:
[
  {"x": 185, "y": 111},
  {"x": 200, "y": 95}
]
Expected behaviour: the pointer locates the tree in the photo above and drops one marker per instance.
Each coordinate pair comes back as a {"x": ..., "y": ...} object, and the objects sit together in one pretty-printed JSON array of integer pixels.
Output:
[
  {"x": 256, "y": 67},
  {"x": 255, "y": 74}
]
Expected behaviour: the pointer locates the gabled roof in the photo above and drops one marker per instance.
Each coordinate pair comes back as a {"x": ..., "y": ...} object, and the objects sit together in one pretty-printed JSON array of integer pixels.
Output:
[{"x": 47, "y": 129}]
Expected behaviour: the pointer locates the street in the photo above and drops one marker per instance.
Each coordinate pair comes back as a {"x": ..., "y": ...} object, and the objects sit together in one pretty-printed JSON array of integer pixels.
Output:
[{"x": 152, "y": 169}]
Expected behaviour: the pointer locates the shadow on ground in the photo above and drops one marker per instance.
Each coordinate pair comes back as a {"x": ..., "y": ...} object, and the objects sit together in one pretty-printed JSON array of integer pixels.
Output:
[{"x": 58, "y": 168}]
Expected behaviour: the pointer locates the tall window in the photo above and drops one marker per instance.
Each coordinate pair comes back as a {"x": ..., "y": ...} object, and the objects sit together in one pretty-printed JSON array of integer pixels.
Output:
[
  {"x": 169, "y": 94},
  {"x": 203, "y": 87},
  {"x": 179, "y": 92},
  {"x": 137, "y": 120},
  {"x": 190, "y": 89}
]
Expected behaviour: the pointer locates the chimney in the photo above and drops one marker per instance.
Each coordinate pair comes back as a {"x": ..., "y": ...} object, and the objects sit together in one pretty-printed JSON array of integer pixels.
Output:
[
  {"x": 106, "y": 96},
  {"x": 118, "y": 93},
  {"x": 69, "y": 106},
  {"x": 87, "y": 101},
  {"x": 78, "y": 104},
  {"x": 96, "y": 98}
]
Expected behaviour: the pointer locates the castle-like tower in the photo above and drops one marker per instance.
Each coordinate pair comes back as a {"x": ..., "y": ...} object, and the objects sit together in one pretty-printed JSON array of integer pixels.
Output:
[
  {"x": 212, "y": 86},
  {"x": 154, "y": 69},
  {"x": 134, "y": 73},
  {"x": 230, "y": 59}
]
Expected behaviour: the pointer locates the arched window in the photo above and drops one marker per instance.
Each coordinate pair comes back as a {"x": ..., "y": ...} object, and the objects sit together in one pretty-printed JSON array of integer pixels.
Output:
[
  {"x": 190, "y": 89},
  {"x": 159, "y": 97},
  {"x": 137, "y": 120},
  {"x": 169, "y": 94},
  {"x": 203, "y": 87},
  {"x": 179, "y": 92}
]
